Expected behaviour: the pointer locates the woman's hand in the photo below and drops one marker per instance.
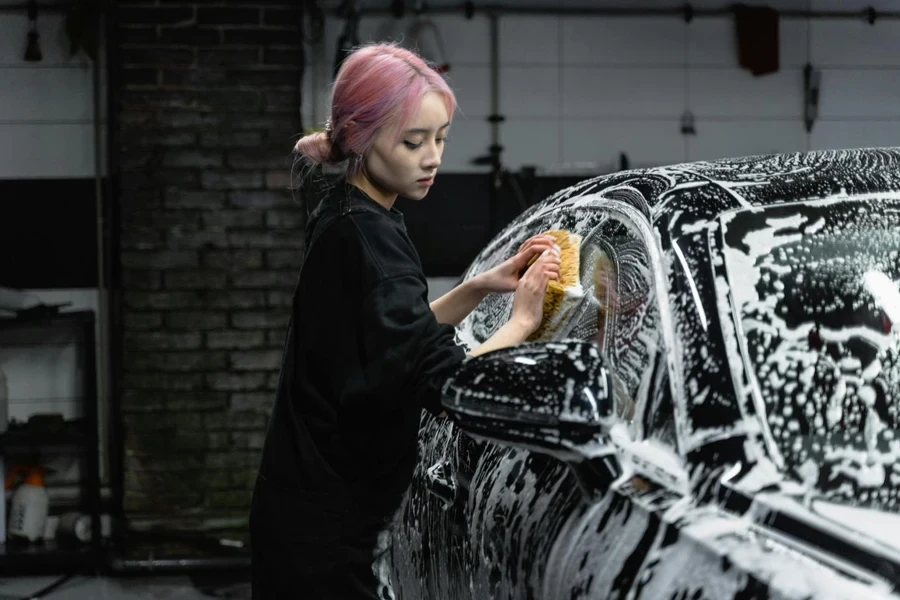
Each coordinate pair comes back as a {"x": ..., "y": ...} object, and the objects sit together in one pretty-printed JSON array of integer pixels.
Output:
[
  {"x": 505, "y": 276},
  {"x": 528, "y": 304}
]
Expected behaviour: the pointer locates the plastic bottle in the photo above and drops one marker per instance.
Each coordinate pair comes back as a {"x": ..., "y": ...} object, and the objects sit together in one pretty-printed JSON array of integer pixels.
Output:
[{"x": 29, "y": 507}]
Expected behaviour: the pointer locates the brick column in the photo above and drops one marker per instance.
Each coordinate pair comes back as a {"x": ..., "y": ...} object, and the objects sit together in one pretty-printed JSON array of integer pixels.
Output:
[{"x": 211, "y": 239}]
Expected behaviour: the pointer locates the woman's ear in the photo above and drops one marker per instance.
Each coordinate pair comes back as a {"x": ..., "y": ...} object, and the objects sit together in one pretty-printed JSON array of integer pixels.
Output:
[{"x": 349, "y": 129}]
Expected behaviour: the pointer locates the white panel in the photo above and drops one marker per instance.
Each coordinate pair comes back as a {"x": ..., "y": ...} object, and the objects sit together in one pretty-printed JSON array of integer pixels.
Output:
[
  {"x": 856, "y": 43},
  {"x": 529, "y": 39},
  {"x": 47, "y": 151},
  {"x": 530, "y": 92},
  {"x": 833, "y": 135},
  {"x": 42, "y": 379},
  {"x": 713, "y": 41},
  {"x": 622, "y": 41},
  {"x": 737, "y": 93},
  {"x": 646, "y": 143},
  {"x": 46, "y": 94},
  {"x": 53, "y": 40},
  {"x": 718, "y": 139},
  {"x": 849, "y": 93},
  {"x": 469, "y": 138},
  {"x": 530, "y": 143},
  {"x": 622, "y": 92},
  {"x": 471, "y": 84}
]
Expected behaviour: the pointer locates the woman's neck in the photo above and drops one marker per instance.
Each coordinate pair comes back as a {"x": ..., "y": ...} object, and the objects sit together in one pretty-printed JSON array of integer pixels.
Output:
[{"x": 379, "y": 195}]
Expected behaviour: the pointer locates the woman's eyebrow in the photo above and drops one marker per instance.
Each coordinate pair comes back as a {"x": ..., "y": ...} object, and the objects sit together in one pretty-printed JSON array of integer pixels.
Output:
[{"x": 424, "y": 130}]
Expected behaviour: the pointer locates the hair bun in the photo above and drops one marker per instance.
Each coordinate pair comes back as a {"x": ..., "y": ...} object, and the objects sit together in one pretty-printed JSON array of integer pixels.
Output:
[{"x": 316, "y": 147}]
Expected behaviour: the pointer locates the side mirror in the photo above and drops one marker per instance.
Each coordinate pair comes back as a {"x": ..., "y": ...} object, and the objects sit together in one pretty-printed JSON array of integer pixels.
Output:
[{"x": 551, "y": 397}]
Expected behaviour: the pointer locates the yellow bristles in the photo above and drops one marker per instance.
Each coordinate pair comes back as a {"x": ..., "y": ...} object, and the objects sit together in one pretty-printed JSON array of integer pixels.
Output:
[{"x": 558, "y": 290}]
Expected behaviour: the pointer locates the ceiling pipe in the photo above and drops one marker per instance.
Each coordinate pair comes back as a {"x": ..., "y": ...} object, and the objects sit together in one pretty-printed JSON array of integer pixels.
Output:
[{"x": 469, "y": 9}]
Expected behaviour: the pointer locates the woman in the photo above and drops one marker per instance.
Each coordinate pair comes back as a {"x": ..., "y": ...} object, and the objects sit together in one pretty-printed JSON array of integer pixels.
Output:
[{"x": 364, "y": 351}]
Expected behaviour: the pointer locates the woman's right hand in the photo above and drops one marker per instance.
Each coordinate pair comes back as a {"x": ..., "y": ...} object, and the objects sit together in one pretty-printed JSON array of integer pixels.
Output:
[{"x": 528, "y": 304}]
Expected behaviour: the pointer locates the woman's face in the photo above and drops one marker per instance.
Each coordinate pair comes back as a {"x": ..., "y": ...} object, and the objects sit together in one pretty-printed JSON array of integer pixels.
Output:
[{"x": 407, "y": 168}]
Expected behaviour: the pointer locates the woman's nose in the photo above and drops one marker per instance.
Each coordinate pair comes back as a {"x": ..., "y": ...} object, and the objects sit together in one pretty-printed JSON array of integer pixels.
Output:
[{"x": 433, "y": 158}]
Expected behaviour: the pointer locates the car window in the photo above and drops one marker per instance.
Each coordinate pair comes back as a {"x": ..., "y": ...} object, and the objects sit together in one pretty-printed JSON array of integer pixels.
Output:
[
  {"x": 814, "y": 290},
  {"x": 617, "y": 306}
]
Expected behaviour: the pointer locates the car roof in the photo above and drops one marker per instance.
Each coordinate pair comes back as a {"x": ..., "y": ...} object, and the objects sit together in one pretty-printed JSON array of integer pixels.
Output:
[{"x": 681, "y": 197}]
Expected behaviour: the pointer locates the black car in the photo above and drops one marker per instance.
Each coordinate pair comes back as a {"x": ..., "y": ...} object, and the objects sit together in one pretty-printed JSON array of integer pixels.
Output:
[{"x": 719, "y": 419}]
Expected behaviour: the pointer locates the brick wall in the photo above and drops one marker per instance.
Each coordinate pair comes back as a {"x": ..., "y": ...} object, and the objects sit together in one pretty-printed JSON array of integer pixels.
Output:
[{"x": 211, "y": 239}]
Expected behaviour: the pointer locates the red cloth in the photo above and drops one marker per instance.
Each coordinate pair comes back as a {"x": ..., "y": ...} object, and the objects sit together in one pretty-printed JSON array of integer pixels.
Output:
[{"x": 757, "y": 37}]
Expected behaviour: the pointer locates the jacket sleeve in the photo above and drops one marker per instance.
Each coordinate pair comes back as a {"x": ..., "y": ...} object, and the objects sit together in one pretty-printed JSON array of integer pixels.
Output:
[{"x": 407, "y": 354}]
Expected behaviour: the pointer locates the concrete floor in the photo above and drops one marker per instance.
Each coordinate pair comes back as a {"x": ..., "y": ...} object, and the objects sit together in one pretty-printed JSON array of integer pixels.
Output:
[{"x": 179, "y": 587}]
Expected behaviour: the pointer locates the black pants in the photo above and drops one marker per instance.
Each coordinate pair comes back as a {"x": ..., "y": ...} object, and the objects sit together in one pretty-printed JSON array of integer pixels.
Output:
[{"x": 315, "y": 545}]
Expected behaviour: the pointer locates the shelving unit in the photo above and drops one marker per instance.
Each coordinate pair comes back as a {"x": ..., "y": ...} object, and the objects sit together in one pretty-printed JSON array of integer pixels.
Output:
[{"x": 59, "y": 556}]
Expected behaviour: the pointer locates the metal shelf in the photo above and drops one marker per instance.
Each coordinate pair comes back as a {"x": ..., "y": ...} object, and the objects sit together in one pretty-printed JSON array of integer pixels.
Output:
[{"x": 18, "y": 557}]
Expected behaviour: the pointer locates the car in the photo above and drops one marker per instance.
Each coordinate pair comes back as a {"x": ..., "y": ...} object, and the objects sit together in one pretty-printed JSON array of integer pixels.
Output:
[{"x": 718, "y": 418}]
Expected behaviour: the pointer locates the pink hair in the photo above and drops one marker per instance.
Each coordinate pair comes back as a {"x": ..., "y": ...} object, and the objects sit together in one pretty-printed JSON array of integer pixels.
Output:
[{"x": 378, "y": 85}]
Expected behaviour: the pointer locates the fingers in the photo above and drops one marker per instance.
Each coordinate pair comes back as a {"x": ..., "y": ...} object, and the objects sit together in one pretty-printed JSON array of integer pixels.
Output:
[
  {"x": 546, "y": 267},
  {"x": 537, "y": 244}
]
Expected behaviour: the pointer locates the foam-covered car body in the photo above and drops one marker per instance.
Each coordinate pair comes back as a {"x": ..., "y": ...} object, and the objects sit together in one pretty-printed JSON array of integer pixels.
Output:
[{"x": 723, "y": 421}]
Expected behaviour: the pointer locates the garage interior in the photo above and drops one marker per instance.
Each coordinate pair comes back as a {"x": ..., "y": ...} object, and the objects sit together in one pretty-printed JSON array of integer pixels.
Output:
[{"x": 152, "y": 232}]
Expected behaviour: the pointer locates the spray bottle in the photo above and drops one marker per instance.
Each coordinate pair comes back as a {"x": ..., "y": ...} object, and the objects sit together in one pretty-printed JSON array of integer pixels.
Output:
[{"x": 29, "y": 507}]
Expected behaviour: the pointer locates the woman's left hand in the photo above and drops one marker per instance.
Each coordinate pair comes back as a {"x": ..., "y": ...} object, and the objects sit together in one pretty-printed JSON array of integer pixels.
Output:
[{"x": 505, "y": 276}]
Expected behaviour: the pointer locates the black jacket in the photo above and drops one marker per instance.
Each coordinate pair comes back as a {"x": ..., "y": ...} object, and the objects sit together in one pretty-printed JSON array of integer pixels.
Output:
[{"x": 364, "y": 355}]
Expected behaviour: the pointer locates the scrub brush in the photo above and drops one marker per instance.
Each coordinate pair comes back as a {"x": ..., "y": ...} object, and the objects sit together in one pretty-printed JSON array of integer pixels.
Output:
[{"x": 563, "y": 296}]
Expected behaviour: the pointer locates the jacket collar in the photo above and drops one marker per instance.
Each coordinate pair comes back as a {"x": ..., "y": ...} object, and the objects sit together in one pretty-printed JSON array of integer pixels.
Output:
[
  {"x": 354, "y": 199},
  {"x": 344, "y": 199}
]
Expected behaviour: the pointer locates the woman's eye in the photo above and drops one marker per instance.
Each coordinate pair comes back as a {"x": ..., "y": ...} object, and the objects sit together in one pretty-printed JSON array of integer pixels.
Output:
[{"x": 412, "y": 146}]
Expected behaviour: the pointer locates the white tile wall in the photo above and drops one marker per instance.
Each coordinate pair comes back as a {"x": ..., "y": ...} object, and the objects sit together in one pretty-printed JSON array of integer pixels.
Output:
[
  {"x": 580, "y": 90},
  {"x": 721, "y": 139},
  {"x": 647, "y": 142},
  {"x": 720, "y": 92},
  {"x": 471, "y": 85},
  {"x": 623, "y": 41},
  {"x": 860, "y": 94},
  {"x": 469, "y": 138},
  {"x": 46, "y": 108},
  {"x": 855, "y": 134},
  {"x": 622, "y": 92},
  {"x": 526, "y": 40}
]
